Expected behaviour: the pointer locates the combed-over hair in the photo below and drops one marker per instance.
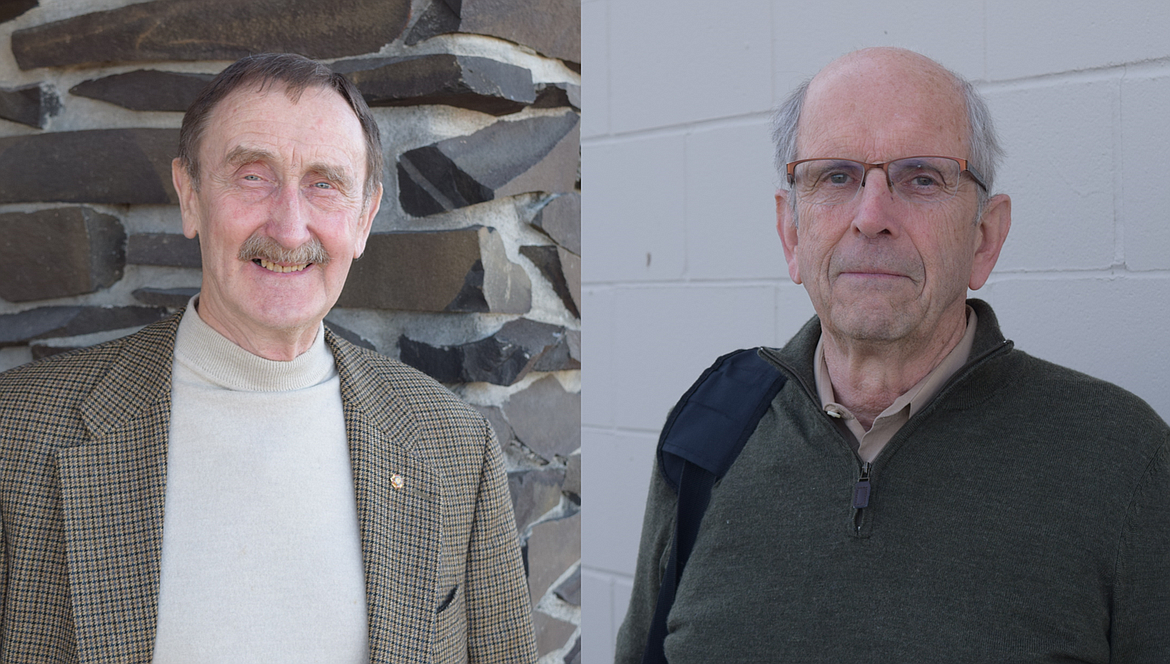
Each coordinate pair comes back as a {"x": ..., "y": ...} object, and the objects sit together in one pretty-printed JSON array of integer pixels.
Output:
[{"x": 296, "y": 73}]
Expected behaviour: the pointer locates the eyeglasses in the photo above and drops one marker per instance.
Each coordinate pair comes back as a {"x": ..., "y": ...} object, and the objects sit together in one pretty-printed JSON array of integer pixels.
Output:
[{"x": 918, "y": 180}]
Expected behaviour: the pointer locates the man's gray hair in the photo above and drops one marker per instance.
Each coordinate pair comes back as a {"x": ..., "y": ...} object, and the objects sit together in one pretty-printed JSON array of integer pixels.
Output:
[{"x": 985, "y": 156}]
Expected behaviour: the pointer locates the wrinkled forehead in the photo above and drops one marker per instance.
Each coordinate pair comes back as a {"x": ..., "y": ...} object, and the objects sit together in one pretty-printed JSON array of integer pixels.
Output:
[
  {"x": 882, "y": 105},
  {"x": 315, "y": 116}
]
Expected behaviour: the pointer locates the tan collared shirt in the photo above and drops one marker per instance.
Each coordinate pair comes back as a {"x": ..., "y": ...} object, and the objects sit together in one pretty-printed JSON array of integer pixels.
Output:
[{"x": 869, "y": 443}]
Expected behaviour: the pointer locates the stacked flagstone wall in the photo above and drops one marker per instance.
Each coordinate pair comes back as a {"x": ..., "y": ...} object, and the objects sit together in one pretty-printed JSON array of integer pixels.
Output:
[{"x": 472, "y": 272}]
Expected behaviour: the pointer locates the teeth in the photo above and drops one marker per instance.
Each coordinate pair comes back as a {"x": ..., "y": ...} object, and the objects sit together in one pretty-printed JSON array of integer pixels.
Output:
[{"x": 268, "y": 265}]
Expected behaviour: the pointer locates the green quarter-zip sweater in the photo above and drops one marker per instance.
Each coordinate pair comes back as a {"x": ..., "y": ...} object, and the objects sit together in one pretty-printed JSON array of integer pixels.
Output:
[{"x": 1023, "y": 515}]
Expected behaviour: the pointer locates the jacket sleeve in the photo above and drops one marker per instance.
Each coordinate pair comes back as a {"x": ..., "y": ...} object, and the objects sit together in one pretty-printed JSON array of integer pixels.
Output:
[
  {"x": 1140, "y": 629},
  {"x": 653, "y": 553},
  {"x": 499, "y": 613}
]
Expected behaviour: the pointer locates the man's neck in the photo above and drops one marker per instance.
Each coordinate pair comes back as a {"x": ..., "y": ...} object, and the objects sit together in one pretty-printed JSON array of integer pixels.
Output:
[
  {"x": 867, "y": 376},
  {"x": 277, "y": 345}
]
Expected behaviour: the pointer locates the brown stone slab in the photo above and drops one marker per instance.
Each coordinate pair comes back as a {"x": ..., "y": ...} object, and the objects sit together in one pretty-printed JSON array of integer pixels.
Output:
[
  {"x": 475, "y": 83},
  {"x": 10, "y": 9},
  {"x": 463, "y": 270},
  {"x": 551, "y": 633},
  {"x": 212, "y": 30},
  {"x": 145, "y": 89},
  {"x": 114, "y": 166},
  {"x": 31, "y": 105},
  {"x": 167, "y": 249},
  {"x": 58, "y": 253}
]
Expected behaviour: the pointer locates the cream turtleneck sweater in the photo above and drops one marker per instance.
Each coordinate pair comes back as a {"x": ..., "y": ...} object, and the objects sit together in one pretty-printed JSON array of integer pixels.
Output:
[{"x": 261, "y": 555}]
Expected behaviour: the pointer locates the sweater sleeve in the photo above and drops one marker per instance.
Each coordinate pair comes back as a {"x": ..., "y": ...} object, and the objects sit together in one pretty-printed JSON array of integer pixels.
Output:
[
  {"x": 1140, "y": 629},
  {"x": 653, "y": 553}
]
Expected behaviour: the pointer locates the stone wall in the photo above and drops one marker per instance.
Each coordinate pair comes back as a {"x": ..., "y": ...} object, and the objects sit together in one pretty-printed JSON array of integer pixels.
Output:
[{"x": 472, "y": 272}]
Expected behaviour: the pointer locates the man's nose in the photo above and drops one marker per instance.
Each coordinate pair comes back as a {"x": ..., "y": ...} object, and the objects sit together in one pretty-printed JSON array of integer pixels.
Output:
[
  {"x": 877, "y": 205},
  {"x": 288, "y": 221}
]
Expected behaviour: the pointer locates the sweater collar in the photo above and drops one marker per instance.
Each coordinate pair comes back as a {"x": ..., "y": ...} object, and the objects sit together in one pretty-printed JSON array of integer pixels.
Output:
[
  {"x": 797, "y": 356},
  {"x": 215, "y": 358}
]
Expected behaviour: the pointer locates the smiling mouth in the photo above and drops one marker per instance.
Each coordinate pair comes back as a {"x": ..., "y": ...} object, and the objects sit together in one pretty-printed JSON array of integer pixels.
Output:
[{"x": 274, "y": 267}]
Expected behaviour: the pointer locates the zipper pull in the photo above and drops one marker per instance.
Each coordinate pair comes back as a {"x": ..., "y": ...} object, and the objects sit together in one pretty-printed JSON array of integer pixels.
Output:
[{"x": 861, "y": 489}]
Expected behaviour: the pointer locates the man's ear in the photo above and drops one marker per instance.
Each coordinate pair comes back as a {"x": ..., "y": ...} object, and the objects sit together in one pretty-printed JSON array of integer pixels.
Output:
[
  {"x": 786, "y": 228},
  {"x": 366, "y": 221},
  {"x": 188, "y": 205},
  {"x": 993, "y": 229}
]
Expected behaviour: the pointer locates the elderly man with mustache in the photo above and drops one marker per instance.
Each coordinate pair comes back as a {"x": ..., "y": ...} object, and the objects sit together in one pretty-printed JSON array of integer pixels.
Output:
[
  {"x": 911, "y": 488},
  {"x": 237, "y": 483}
]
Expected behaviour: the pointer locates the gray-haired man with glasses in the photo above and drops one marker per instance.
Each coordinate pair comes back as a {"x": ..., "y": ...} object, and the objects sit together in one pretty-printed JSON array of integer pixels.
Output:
[{"x": 917, "y": 489}]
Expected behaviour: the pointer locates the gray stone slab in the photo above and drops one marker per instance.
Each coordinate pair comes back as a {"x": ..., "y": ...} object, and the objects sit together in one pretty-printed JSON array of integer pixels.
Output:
[
  {"x": 564, "y": 356},
  {"x": 212, "y": 30},
  {"x": 560, "y": 219},
  {"x": 495, "y": 417},
  {"x": 145, "y": 89},
  {"x": 464, "y": 270},
  {"x": 546, "y": 418},
  {"x": 475, "y": 83},
  {"x": 349, "y": 335},
  {"x": 31, "y": 105},
  {"x": 504, "y": 358},
  {"x": 574, "y": 654},
  {"x": 556, "y": 95},
  {"x": 550, "y": 27},
  {"x": 167, "y": 249},
  {"x": 552, "y": 549},
  {"x": 572, "y": 485},
  {"x": 59, "y": 252},
  {"x": 68, "y": 321},
  {"x": 503, "y": 159},
  {"x": 41, "y": 351},
  {"x": 563, "y": 271},
  {"x": 113, "y": 166},
  {"x": 569, "y": 590},
  {"x": 10, "y": 9},
  {"x": 172, "y": 298},
  {"x": 558, "y": 172},
  {"x": 534, "y": 493},
  {"x": 439, "y": 17}
]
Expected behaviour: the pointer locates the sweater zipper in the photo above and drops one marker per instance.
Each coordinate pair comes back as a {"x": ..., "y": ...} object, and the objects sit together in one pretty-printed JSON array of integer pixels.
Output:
[{"x": 861, "y": 496}]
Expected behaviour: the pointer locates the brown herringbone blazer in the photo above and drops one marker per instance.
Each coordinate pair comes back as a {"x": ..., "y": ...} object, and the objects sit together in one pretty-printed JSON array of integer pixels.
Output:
[{"x": 83, "y": 447}]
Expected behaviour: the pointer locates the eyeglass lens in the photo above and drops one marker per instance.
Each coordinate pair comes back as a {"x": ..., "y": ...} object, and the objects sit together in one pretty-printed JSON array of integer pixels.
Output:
[{"x": 919, "y": 180}]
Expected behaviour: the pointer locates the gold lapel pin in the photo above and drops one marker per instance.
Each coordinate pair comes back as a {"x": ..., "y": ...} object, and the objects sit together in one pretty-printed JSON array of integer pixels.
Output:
[{"x": 396, "y": 481}]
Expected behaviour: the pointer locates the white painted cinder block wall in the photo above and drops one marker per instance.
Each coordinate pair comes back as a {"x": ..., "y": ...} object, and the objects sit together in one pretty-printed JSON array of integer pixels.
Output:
[{"x": 684, "y": 263}]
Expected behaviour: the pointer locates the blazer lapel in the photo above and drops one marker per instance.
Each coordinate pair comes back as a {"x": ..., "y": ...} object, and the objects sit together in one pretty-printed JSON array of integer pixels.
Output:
[
  {"x": 112, "y": 491},
  {"x": 399, "y": 511}
]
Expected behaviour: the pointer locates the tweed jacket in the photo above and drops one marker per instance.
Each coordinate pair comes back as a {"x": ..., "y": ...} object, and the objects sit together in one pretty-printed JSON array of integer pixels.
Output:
[{"x": 83, "y": 449}]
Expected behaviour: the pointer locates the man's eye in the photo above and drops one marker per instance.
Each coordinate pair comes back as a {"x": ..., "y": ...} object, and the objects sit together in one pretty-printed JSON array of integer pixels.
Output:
[
  {"x": 838, "y": 178},
  {"x": 252, "y": 178},
  {"x": 923, "y": 181},
  {"x": 322, "y": 185}
]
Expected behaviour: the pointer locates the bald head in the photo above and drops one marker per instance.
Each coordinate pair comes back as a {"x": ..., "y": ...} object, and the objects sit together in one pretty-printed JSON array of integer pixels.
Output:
[{"x": 876, "y": 96}]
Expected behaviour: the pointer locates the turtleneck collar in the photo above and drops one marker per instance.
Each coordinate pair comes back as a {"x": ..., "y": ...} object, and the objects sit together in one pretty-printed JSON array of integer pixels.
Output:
[{"x": 219, "y": 361}]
